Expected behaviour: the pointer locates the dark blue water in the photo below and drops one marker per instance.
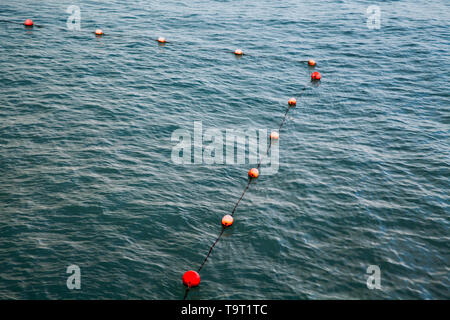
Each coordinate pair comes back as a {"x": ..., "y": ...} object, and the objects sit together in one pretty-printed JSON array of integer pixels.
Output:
[{"x": 86, "y": 175}]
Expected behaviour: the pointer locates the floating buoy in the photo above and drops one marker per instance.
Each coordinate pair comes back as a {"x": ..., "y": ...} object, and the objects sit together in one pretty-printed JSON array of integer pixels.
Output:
[
  {"x": 274, "y": 135},
  {"x": 292, "y": 102},
  {"x": 191, "y": 278},
  {"x": 99, "y": 32},
  {"x": 28, "y": 23},
  {"x": 162, "y": 40},
  {"x": 311, "y": 62},
  {"x": 238, "y": 52},
  {"x": 227, "y": 220},
  {"x": 315, "y": 76},
  {"x": 253, "y": 173}
]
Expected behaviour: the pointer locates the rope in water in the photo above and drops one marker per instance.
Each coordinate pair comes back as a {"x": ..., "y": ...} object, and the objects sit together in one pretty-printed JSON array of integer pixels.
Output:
[{"x": 192, "y": 278}]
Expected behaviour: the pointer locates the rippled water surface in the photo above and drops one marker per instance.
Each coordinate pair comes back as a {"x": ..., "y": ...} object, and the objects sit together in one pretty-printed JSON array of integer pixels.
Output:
[{"x": 86, "y": 175}]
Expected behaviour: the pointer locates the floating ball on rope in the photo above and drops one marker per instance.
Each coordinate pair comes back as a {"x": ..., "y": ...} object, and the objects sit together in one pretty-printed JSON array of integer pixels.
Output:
[
  {"x": 191, "y": 278},
  {"x": 28, "y": 23},
  {"x": 98, "y": 32},
  {"x": 253, "y": 173},
  {"x": 292, "y": 102},
  {"x": 316, "y": 76},
  {"x": 238, "y": 52},
  {"x": 227, "y": 220},
  {"x": 162, "y": 40},
  {"x": 311, "y": 62},
  {"x": 274, "y": 135}
]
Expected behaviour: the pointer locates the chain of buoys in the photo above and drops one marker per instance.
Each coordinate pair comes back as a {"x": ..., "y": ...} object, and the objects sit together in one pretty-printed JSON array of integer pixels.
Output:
[
  {"x": 99, "y": 33},
  {"x": 191, "y": 278}
]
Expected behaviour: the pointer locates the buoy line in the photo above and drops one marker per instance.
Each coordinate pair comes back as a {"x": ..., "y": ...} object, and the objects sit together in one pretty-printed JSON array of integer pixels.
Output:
[
  {"x": 191, "y": 278},
  {"x": 99, "y": 33}
]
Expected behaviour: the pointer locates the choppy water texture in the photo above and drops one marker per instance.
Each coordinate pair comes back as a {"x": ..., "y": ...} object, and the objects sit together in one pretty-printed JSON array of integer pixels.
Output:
[{"x": 85, "y": 149}]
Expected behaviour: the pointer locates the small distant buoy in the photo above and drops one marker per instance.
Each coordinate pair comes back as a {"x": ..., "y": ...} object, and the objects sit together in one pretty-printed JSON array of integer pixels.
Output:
[
  {"x": 28, "y": 23},
  {"x": 292, "y": 102},
  {"x": 227, "y": 220},
  {"x": 162, "y": 40},
  {"x": 238, "y": 52},
  {"x": 315, "y": 76},
  {"x": 274, "y": 135},
  {"x": 253, "y": 173},
  {"x": 191, "y": 278},
  {"x": 311, "y": 62},
  {"x": 99, "y": 32}
]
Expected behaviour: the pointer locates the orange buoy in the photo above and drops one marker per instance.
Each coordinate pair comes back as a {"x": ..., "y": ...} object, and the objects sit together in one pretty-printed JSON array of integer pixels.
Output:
[
  {"x": 28, "y": 23},
  {"x": 191, "y": 278},
  {"x": 316, "y": 76},
  {"x": 227, "y": 220},
  {"x": 162, "y": 40},
  {"x": 311, "y": 62},
  {"x": 99, "y": 32},
  {"x": 274, "y": 135},
  {"x": 253, "y": 173},
  {"x": 238, "y": 52},
  {"x": 292, "y": 102}
]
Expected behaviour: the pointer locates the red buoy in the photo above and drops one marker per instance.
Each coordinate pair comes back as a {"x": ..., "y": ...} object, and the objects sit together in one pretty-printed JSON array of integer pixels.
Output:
[
  {"x": 292, "y": 102},
  {"x": 315, "y": 76},
  {"x": 253, "y": 173},
  {"x": 311, "y": 62},
  {"x": 28, "y": 23},
  {"x": 227, "y": 220},
  {"x": 191, "y": 278}
]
